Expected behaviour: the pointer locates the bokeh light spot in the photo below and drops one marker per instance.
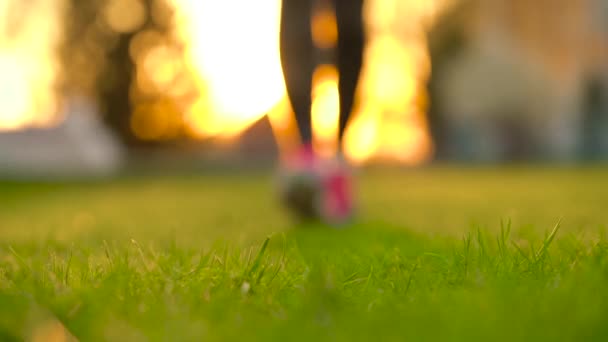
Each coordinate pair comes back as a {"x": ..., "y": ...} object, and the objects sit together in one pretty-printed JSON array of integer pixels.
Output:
[
  {"x": 324, "y": 28},
  {"x": 14, "y": 93},
  {"x": 155, "y": 121},
  {"x": 124, "y": 16},
  {"x": 325, "y": 109}
]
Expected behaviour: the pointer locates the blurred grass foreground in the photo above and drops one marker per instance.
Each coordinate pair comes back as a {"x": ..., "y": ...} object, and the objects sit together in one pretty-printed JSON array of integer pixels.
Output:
[{"x": 438, "y": 254}]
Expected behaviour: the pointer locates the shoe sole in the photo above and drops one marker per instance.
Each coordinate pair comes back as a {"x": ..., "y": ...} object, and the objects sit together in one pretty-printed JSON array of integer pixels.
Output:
[{"x": 302, "y": 195}]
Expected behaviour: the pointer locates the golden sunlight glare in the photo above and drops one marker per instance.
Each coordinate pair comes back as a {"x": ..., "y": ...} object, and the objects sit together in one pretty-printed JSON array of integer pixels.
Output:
[
  {"x": 233, "y": 46},
  {"x": 28, "y": 64},
  {"x": 325, "y": 109},
  {"x": 235, "y": 53}
]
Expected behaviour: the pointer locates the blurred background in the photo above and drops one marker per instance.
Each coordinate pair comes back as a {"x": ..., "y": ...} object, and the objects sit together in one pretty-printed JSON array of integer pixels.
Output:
[{"x": 97, "y": 86}]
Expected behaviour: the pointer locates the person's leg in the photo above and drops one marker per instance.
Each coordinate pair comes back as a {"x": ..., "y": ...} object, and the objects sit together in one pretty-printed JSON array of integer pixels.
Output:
[
  {"x": 351, "y": 40},
  {"x": 297, "y": 60},
  {"x": 338, "y": 197},
  {"x": 311, "y": 186},
  {"x": 300, "y": 187}
]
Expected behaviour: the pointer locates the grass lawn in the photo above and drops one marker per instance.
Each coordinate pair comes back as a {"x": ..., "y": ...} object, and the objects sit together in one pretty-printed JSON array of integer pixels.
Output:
[{"x": 438, "y": 254}]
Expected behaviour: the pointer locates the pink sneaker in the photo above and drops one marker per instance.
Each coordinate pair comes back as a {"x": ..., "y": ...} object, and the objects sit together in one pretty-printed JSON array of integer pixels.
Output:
[
  {"x": 316, "y": 189},
  {"x": 337, "y": 202}
]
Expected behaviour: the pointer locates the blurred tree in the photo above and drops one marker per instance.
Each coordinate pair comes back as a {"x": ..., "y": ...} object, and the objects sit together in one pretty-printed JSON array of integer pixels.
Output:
[{"x": 98, "y": 58}]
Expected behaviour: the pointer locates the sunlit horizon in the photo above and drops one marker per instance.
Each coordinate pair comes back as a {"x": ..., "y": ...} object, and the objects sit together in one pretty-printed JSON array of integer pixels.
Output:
[
  {"x": 234, "y": 57},
  {"x": 386, "y": 125}
]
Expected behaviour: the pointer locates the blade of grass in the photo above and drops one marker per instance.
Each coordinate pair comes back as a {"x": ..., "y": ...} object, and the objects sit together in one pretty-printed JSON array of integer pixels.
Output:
[
  {"x": 67, "y": 268},
  {"x": 18, "y": 257},
  {"x": 521, "y": 251},
  {"x": 547, "y": 242},
  {"x": 258, "y": 259}
]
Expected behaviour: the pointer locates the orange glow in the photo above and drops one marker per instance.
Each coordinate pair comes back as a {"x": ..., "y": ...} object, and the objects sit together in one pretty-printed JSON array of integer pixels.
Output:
[
  {"x": 324, "y": 28},
  {"x": 28, "y": 66},
  {"x": 409, "y": 135},
  {"x": 390, "y": 124},
  {"x": 160, "y": 63},
  {"x": 236, "y": 54},
  {"x": 14, "y": 94},
  {"x": 284, "y": 127},
  {"x": 125, "y": 15},
  {"x": 361, "y": 137},
  {"x": 233, "y": 46},
  {"x": 325, "y": 109},
  {"x": 155, "y": 121},
  {"x": 391, "y": 77}
]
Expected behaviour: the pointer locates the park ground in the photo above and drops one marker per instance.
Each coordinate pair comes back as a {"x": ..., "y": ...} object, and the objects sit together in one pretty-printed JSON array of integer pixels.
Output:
[{"x": 439, "y": 253}]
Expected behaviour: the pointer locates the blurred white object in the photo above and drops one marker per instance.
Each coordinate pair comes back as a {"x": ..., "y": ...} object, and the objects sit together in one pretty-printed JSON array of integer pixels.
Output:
[
  {"x": 81, "y": 146},
  {"x": 511, "y": 103}
]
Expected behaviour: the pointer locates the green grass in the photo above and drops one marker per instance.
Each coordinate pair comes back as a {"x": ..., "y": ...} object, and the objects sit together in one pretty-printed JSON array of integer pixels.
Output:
[{"x": 438, "y": 254}]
